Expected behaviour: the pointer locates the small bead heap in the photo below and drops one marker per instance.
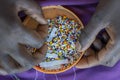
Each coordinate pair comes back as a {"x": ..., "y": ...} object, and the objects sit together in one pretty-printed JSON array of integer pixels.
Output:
[{"x": 61, "y": 41}]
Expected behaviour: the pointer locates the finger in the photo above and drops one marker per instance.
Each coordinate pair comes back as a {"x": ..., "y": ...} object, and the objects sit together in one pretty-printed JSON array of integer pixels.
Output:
[
  {"x": 104, "y": 57},
  {"x": 89, "y": 60},
  {"x": 105, "y": 37},
  {"x": 96, "y": 24},
  {"x": 41, "y": 52},
  {"x": 26, "y": 59},
  {"x": 97, "y": 44},
  {"x": 108, "y": 55},
  {"x": 88, "y": 35},
  {"x": 32, "y": 9},
  {"x": 89, "y": 52},
  {"x": 10, "y": 66},
  {"x": 38, "y": 56},
  {"x": 42, "y": 30},
  {"x": 30, "y": 37}
]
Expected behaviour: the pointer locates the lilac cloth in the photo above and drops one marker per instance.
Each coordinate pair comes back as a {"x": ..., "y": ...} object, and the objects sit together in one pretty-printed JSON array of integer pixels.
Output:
[{"x": 84, "y": 9}]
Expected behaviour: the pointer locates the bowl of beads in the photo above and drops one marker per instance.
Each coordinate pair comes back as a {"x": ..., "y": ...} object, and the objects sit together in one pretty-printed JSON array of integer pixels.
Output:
[{"x": 63, "y": 47}]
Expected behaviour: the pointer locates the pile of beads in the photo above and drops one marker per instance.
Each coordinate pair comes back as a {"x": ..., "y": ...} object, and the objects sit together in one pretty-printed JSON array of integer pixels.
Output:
[{"x": 61, "y": 41}]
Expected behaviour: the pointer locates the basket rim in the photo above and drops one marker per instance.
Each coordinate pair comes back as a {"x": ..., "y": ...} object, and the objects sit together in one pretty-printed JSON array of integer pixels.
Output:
[{"x": 81, "y": 53}]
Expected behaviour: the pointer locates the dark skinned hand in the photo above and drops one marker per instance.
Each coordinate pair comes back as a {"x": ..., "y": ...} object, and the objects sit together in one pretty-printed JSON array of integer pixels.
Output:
[
  {"x": 107, "y": 17},
  {"x": 13, "y": 35}
]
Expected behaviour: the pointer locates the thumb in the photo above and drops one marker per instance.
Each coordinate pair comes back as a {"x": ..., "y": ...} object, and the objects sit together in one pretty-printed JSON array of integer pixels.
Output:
[
  {"x": 31, "y": 9},
  {"x": 31, "y": 37},
  {"x": 89, "y": 33}
]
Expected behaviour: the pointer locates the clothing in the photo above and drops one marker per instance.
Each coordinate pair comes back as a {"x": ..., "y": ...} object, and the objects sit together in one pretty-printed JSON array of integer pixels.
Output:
[{"x": 84, "y": 9}]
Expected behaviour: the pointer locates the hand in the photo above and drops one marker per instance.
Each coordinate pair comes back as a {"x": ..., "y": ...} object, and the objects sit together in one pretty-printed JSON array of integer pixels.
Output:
[
  {"x": 107, "y": 16},
  {"x": 13, "y": 35}
]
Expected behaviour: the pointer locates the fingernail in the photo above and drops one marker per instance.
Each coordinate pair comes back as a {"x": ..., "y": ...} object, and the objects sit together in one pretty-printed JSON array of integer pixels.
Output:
[{"x": 43, "y": 21}]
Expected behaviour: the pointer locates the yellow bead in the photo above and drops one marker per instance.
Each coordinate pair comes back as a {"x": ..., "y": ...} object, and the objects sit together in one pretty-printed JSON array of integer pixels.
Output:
[
  {"x": 64, "y": 17},
  {"x": 61, "y": 30},
  {"x": 65, "y": 42},
  {"x": 60, "y": 27},
  {"x": 59, "y": 53},
  {"x": 57, "y": 58},
  {"x": 50, "y": 42}
]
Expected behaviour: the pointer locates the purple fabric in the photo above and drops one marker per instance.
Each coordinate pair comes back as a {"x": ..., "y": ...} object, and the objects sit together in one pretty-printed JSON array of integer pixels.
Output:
[
  {"x": 84, "y": 9},
  {"x": 66, "y": 2}
]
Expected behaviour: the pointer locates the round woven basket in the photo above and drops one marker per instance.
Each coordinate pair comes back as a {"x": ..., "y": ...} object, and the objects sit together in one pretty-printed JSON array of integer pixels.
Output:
[{"x": 51, "y": 12}]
